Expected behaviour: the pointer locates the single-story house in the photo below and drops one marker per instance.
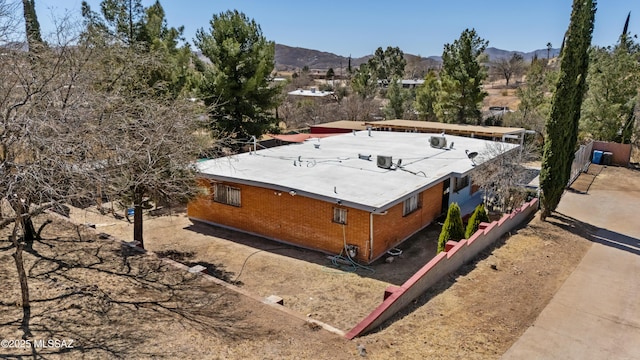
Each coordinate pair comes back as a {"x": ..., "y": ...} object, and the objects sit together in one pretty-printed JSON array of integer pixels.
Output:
[
  {"x": 335, "y": 127},
  {"x": 503, "y": 133},
  {"x": 367, "y": 191}
]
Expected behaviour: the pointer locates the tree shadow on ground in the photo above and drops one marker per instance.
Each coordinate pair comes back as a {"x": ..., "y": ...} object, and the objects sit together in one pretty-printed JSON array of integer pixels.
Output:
[
  {"x": 215, "y": 270},
  {"x": 416, "y": 252},
  {"x": 111, "y": 300},
  {"x": 596, "y": 234}
]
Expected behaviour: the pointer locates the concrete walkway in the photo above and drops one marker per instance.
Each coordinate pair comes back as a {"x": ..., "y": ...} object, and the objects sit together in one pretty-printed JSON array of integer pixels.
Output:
[{"x": 596, "y": 313}]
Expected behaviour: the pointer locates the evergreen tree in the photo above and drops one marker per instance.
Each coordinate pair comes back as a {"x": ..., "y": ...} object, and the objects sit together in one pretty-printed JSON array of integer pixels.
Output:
[
  {"x": 614, "y": 79},
  {"x": 562, "y": 125},
  {"x": 237, "y": 87},
  {"x": 125, "y": 26},
  {"x": 32, "y": 26},
  {"x": 398, "y": 98},
  {"x": 364, "y": 81},
  {"x": 461, "y": 79},
  {"x": 452, "y": 228},
  {"x": 426, "y": 97},
  {"x": 330, "y": 74},
  {"x": 122, "y": 19},
  {"x": 613, "y": 82},
  {"x": 479, "y": 215},
  {"x": 388, "y": 64}
]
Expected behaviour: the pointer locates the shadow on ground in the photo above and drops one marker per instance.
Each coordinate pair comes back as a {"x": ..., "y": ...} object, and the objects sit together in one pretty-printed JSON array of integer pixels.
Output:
[
  {"x": 596, "y": 234},
  {"x": 106, "y": 297},
  {"x": 415, "y": 252}
]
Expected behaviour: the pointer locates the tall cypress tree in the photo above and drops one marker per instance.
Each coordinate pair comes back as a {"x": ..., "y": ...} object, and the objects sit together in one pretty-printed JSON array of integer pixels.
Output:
[
  {"x": 32, "y": 26},
  {"x": 562, "y": 125}
]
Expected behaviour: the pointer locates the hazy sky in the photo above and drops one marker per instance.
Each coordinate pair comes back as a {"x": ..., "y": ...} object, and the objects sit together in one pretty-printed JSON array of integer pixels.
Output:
[{"x": 358, "y": 27}]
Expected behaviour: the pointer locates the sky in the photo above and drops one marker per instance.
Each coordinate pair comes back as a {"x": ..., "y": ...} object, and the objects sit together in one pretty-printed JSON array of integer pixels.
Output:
[{"x": 359, "y": 27}]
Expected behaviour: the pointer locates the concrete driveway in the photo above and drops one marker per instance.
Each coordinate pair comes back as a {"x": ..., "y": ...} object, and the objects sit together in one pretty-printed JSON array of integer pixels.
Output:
[{"x": 596, "y": 313}]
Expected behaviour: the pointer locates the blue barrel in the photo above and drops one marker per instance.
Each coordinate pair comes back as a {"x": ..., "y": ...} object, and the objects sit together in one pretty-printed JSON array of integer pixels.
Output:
[{"x": 597, "y": 157}]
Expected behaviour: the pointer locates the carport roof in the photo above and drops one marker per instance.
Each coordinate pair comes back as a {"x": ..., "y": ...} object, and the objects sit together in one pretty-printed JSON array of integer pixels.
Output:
[
  {"x": 453, "y": 129},
  {"x": 335, "y": 169}
]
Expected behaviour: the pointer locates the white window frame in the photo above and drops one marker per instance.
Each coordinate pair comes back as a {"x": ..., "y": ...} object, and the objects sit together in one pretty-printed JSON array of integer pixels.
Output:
[
  {"x": 228, "y": 195},
  {"x": 411, "y": 204},
  {"x": 340, "y": 215}
]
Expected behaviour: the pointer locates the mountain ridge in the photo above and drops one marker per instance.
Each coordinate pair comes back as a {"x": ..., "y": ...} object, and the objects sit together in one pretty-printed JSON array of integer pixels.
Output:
[{"x": 289, "y": 58}]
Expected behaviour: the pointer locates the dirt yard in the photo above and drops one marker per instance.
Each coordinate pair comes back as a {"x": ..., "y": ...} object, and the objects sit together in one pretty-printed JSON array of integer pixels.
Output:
[
  {"x": 306, "y": 280},
  {"x": 86, "y": 289},
  {"x": 114, "y": 303}
]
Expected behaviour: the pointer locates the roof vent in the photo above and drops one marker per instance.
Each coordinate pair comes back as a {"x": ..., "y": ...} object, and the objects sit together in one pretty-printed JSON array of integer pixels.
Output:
[
  {"x": 438, "y": 142},
  {"x": 384, "y": 162}
]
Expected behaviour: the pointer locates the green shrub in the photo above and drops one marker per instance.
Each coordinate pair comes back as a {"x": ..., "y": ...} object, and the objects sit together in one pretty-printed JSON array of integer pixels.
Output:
[
  {"x": 479, "y": 215},
  {"x": 452, "y": 228}
]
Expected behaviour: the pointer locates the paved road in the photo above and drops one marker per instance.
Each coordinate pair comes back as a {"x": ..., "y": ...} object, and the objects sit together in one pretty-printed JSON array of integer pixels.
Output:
[{"x": 596, "y": 312}]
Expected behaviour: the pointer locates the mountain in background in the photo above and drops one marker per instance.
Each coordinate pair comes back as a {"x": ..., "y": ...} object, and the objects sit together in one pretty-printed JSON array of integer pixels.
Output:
[{"x": 291, "y": 58}]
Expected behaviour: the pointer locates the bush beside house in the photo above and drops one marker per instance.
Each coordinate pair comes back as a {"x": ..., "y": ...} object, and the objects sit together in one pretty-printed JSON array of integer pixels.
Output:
[
  {"x": 452, "y": 228},
  {"x": 479, "y": 215}
]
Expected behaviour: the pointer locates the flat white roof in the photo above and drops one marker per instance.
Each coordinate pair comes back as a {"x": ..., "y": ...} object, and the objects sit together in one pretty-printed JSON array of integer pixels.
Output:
[
  {"x": 314, "y": 93},
  {"x": 331, "y": 169}
]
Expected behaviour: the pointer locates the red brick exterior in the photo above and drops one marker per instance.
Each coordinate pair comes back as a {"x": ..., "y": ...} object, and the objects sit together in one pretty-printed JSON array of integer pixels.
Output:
[
  {"x": 309, "y": 222},
  {"x": 391, "y": 229}
]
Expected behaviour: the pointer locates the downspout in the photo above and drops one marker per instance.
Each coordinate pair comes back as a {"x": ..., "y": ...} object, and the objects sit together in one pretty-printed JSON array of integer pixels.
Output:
[{"x": 371, "y": 232}]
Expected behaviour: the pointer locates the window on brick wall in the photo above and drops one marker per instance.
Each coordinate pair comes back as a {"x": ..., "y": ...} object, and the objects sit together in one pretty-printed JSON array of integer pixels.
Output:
[
  {"x": 339, "y": 215},
  {"x": 460, "y": 183},
  {"x": 411, "y": 204},
  {"x": 226, "y": 194}
]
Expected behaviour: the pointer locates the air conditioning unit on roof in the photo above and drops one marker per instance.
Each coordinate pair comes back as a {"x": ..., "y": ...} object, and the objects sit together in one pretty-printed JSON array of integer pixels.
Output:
[
  {"x": 384, "y": 162},
  {"x": 438, "y": 142}
]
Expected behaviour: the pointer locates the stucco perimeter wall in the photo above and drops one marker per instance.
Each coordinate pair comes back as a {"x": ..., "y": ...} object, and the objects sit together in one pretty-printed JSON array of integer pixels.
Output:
[
  {"x": 279, "y": 216},
  {"x": 621, "y": 152},
  {"x": 444, "y": 263}
]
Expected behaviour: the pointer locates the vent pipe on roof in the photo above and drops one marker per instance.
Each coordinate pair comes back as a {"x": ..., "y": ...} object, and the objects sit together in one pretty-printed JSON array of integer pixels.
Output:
[{"x": 369, "y": 129}]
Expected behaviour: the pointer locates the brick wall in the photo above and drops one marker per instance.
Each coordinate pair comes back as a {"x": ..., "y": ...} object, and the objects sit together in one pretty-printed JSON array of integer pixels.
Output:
[
  {"x": 393, "y": 228},
  {"x": 294, "y": 219},
  {"x": 395, "y": 298},
  {"x": 309, "y": 222}
]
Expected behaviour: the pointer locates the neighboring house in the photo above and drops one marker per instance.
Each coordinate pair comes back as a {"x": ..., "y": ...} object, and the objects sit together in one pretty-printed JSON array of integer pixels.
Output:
[
  {"x": 411, "y": 83},
  {"x": 367, "y": 191},
  {"x": 405, "y": 83},
  {"x": 335, "y": 127},
  {"x": 501, "y": 133},
  {"x": 312, "y": 93},
  {"x": 498, "y": 133}
]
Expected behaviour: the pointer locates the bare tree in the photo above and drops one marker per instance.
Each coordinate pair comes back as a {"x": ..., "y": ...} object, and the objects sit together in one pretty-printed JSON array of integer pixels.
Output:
[
  {"x": 68, "y": 125},
  {"x": 149, "y": 157},
  {"x": 44, "y": 160},
  {"x": 508, "y": 68},
  {"x": 503, "y": 176},
  {"x": 356, "y": 108}
]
